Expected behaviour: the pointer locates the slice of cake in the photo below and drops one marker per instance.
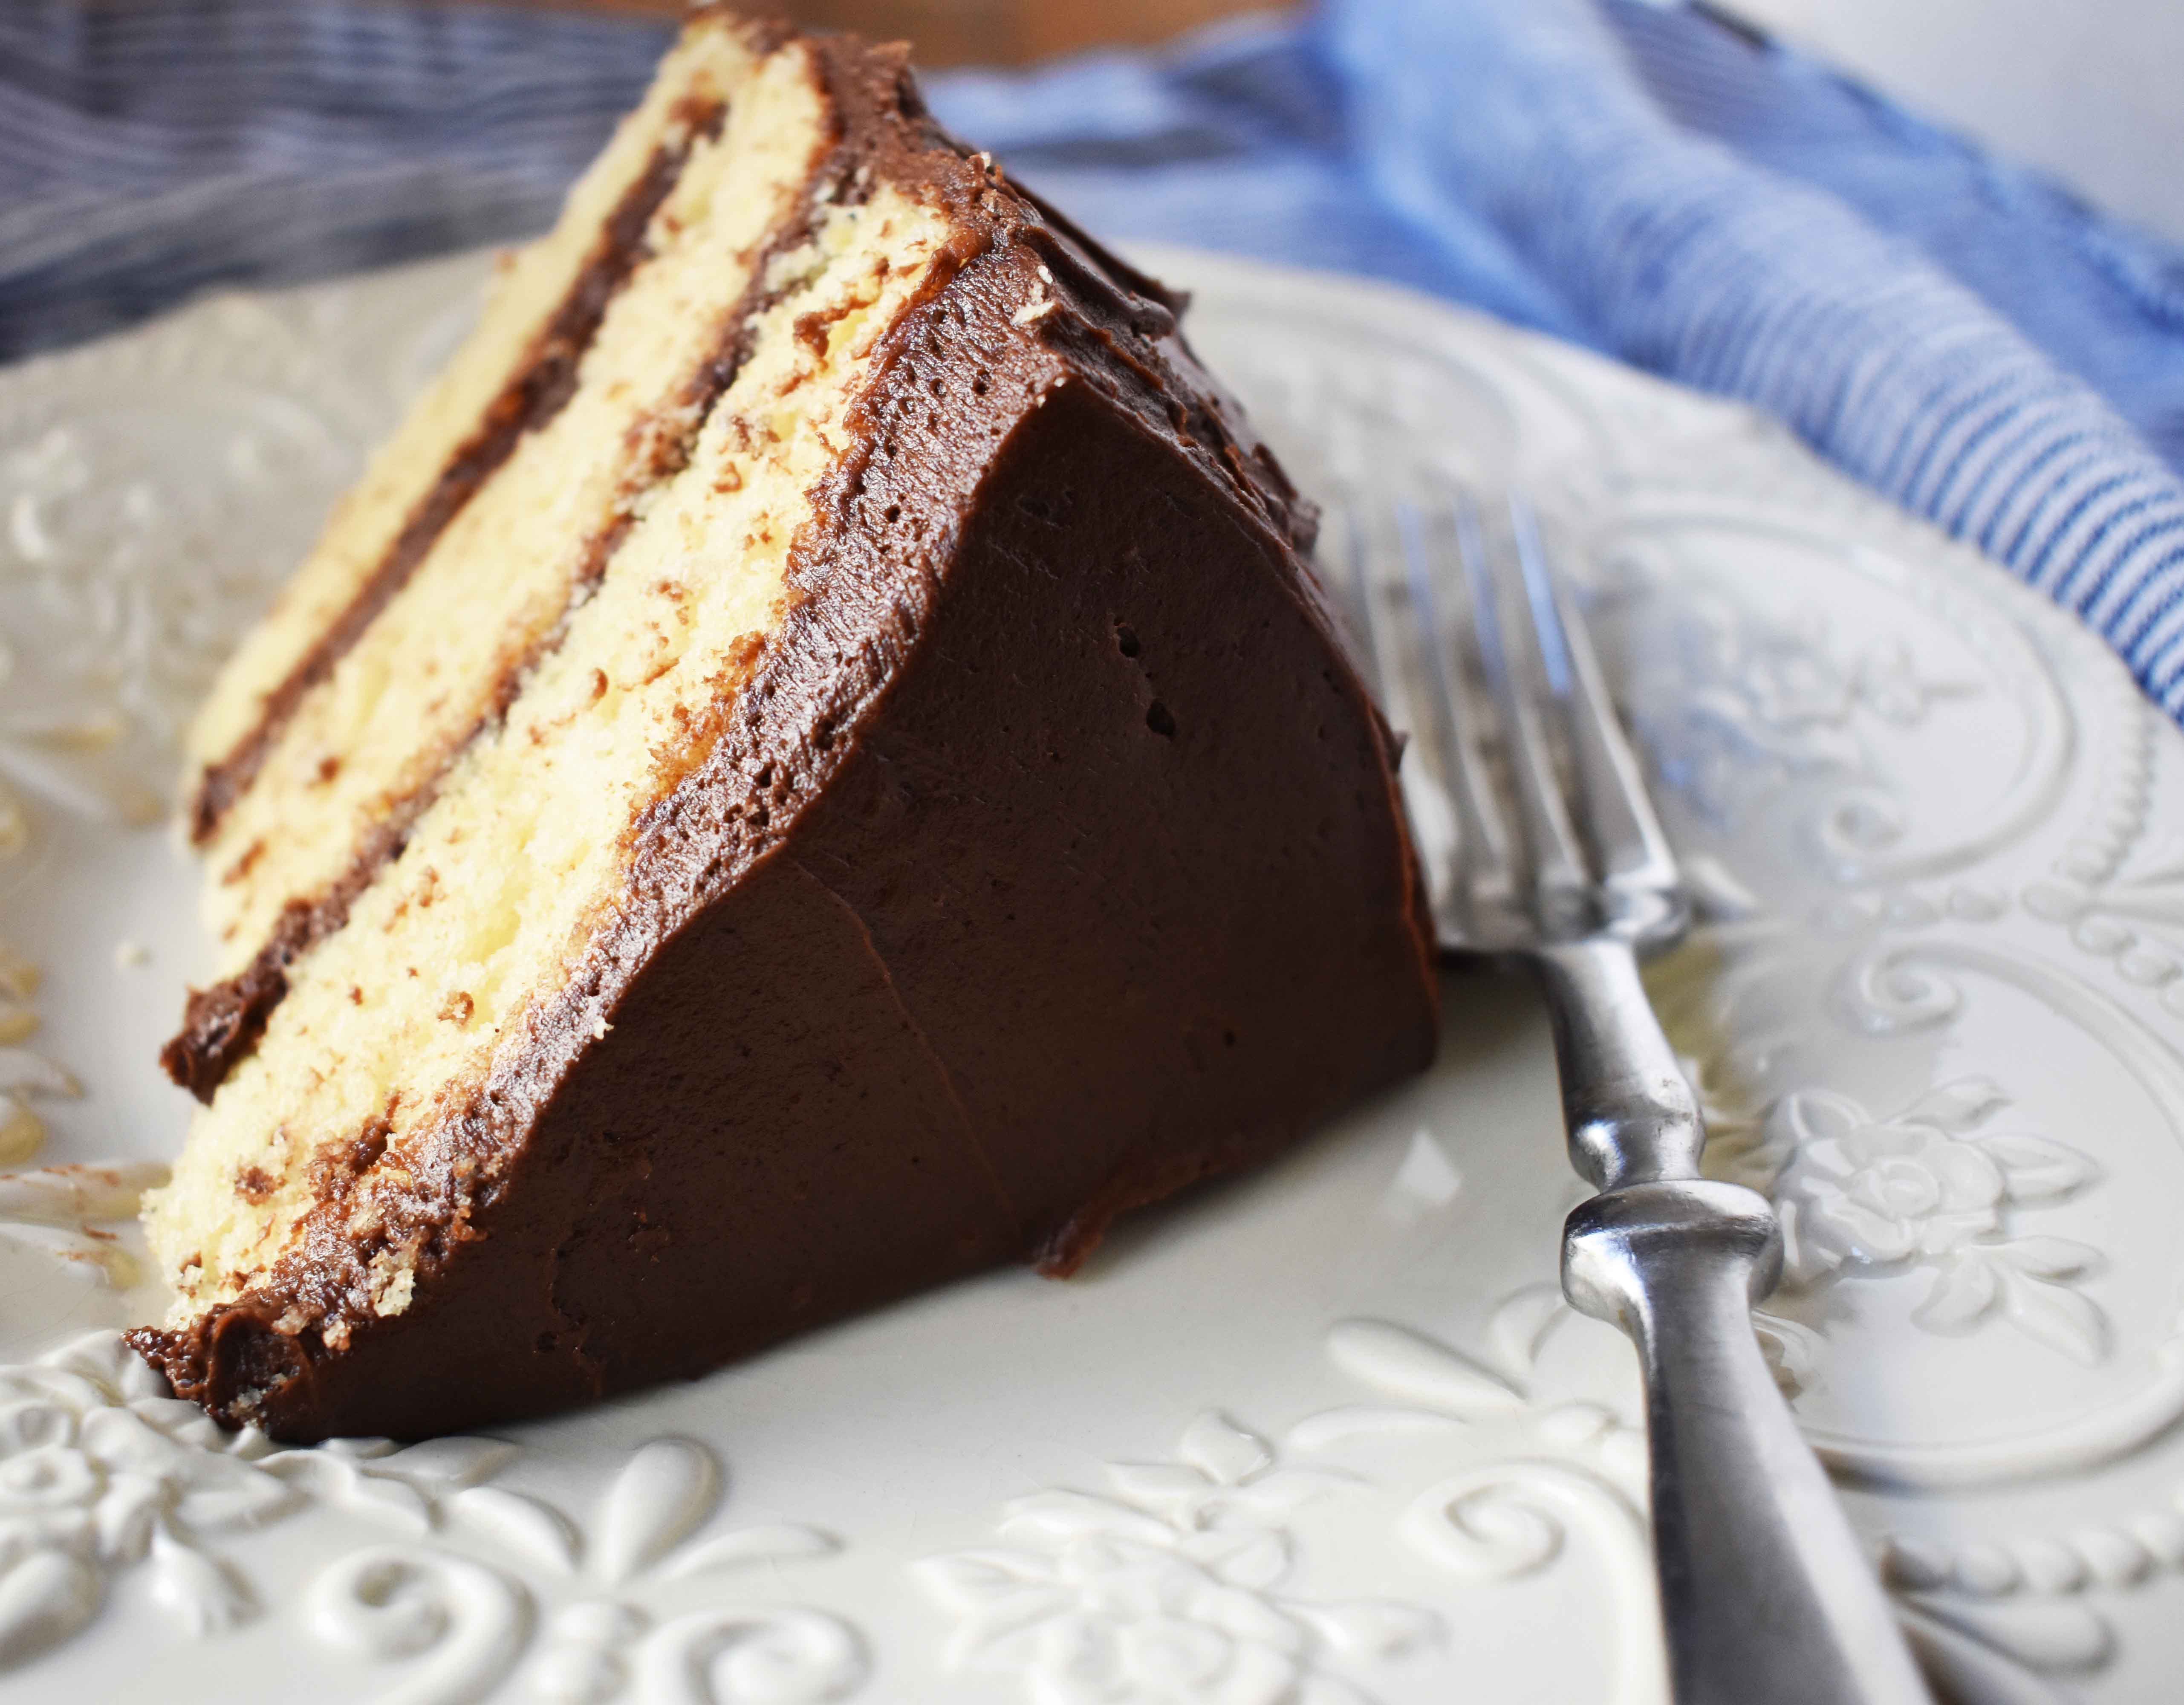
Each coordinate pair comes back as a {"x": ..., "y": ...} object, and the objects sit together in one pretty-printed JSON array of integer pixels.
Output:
[{"x": 811, "y": 764}]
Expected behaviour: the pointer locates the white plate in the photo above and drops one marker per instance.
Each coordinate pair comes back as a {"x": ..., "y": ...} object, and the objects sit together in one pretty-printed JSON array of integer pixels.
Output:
[{"x": 1319, "y": 1435}]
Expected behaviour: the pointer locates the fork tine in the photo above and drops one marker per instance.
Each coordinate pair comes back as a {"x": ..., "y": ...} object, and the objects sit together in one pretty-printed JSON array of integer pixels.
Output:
[
  {"x": 1561, "y": 880},
  {"x": 1401, "y": 661},
  {"x": 1488, "y": 880},
  {"x": 1626, "y": 835}
]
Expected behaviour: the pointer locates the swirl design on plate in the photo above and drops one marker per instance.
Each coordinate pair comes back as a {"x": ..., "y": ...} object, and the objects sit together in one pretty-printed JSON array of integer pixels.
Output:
[
  {"x": 457, "y": 1626},
  {"x": 101, "y": 1471},
  {"x": 1166, "y": 1588},
  {"x": 1535, "y": 1468},
  {"x": 465, "y": 1623},
  {"x": 751, "y": 1657}
]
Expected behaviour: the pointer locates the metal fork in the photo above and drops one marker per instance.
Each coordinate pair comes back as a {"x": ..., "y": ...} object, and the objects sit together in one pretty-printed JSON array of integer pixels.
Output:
[{"x": 1542, "y": 846}]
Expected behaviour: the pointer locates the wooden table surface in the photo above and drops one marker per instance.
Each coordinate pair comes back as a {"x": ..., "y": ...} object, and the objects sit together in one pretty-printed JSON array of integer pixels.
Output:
[{"x": 954, "y": 33}]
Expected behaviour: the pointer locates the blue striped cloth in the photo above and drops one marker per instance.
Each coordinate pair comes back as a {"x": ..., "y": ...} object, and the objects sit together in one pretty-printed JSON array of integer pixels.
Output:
[{"x": 1649, "y": 180}]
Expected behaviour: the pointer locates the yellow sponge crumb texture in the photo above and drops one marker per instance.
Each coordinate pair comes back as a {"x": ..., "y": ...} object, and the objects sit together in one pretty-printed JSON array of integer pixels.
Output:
[
  {"x": 430, "y": 671},
  {"x": 710, "y": 60},
  {"x": 518, "y": 863}
]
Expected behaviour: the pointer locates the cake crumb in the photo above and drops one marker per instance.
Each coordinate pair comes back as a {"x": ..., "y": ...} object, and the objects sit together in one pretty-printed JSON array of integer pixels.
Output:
[
  {"x": 129, "y": 955},
  {"x": 243, "y": 865},
  {"x": 393, "y": 1281}
]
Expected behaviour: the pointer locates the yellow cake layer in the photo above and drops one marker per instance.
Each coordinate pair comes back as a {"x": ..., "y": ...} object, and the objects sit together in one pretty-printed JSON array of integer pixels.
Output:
[
  {"x": 434, "y": 665},
  {"x": 710, "y": 60},
  {"x": 518, "y": 863}
]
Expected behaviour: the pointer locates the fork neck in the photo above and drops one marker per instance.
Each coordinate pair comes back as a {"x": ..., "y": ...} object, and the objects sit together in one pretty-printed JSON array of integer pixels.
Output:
[{"x": 1632, "y": 1117}]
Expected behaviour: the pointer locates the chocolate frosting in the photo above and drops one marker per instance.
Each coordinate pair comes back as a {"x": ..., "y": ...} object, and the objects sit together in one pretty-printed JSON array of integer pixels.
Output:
[{"x": 1051, "y": 860}]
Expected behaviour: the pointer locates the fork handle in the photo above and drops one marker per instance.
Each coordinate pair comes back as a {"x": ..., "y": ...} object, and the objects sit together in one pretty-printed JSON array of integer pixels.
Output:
[{"x": 1765, "y": 1592}]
